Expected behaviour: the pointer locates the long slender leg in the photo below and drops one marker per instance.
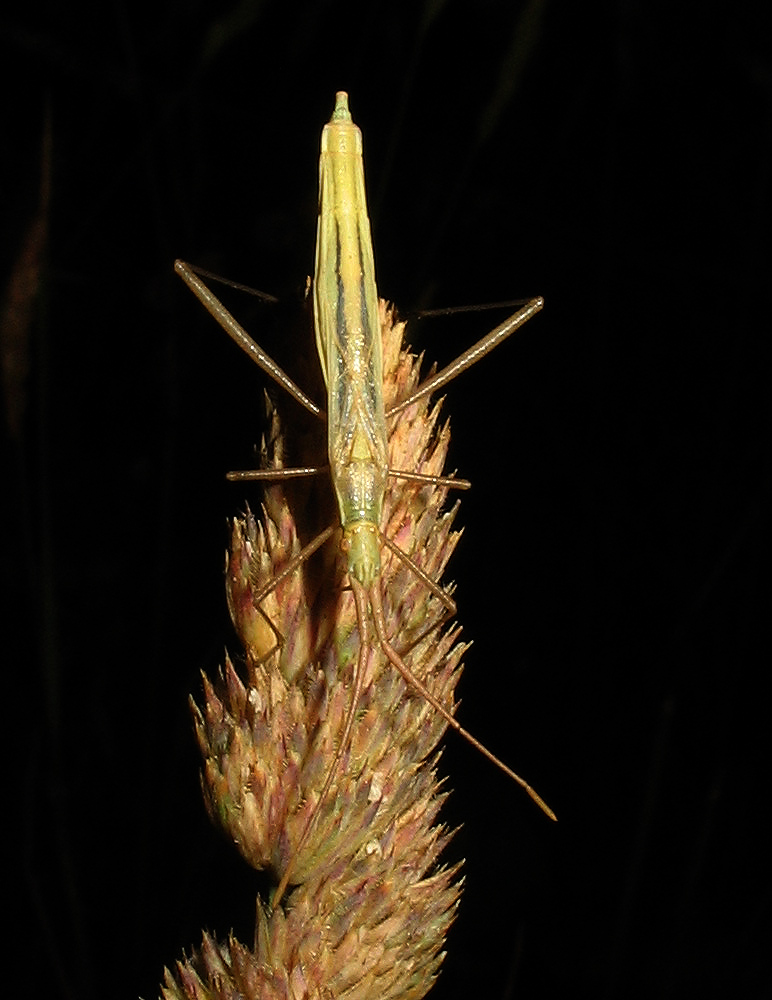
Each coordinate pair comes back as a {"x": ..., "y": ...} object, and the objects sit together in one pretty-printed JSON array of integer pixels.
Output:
[
  {"x": 418, "y": 477},
  {"x": 472, "y": 355},
  {"x": 237, "y": 333},
  {"x": 431, "y": 585},
  {"x": 441, "y": 594},
  {"x": 251, "y": 474},
  {"x": 288, "y": 570},
  {"x": 413, "y": 477},
  {"x": 264, "y": 296}
]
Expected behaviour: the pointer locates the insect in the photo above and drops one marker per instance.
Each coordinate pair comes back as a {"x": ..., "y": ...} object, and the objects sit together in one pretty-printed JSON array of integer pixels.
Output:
[{"x": 348, "y": 340}]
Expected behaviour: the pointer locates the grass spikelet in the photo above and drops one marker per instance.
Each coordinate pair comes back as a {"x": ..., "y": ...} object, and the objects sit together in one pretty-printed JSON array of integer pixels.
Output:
[{"x": 370, "y": 899}]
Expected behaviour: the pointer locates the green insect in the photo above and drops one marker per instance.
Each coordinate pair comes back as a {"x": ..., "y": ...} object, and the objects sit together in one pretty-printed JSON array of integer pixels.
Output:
[{"x": 348, "y": 339}]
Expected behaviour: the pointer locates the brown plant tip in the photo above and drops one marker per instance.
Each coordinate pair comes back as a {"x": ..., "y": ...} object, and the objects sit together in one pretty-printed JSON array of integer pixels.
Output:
[{"x": 370, "y": 901}]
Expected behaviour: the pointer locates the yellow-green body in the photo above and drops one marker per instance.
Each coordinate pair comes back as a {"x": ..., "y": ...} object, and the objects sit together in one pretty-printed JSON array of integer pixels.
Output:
[{"x": 348, "y": 338}]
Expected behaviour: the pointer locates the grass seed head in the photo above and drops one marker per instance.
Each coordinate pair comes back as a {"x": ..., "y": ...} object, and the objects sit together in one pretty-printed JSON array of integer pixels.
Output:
[{"x": 370, "y": 901}]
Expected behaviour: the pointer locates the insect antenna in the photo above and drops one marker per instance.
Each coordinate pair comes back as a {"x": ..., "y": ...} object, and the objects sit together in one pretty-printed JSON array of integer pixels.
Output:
[
  {"x": 395, "y": 659},
  {"x": 372, "y": 596},
  {"x": 359, "y": 679}
]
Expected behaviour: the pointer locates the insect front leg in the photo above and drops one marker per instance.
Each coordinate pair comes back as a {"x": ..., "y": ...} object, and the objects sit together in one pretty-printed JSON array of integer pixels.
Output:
[
  {"x": 431, "y": 585},
  {"x": 292, "y": 566}
]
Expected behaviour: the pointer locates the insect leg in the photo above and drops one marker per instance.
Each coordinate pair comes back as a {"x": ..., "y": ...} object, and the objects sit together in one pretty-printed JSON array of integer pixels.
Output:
[
  {"x": 250, "y": 474},
  {"x": 288, "y": 570},
  {"x": 417, "y": 477},
  {"x": 431, "y": 585},
  {"x": 236, "y": 332},
  {"x": 472, "y": 354}
]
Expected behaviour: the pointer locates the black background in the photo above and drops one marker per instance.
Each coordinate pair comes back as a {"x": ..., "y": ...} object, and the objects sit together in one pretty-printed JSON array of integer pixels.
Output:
[{"x": 613, "y": 157}]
